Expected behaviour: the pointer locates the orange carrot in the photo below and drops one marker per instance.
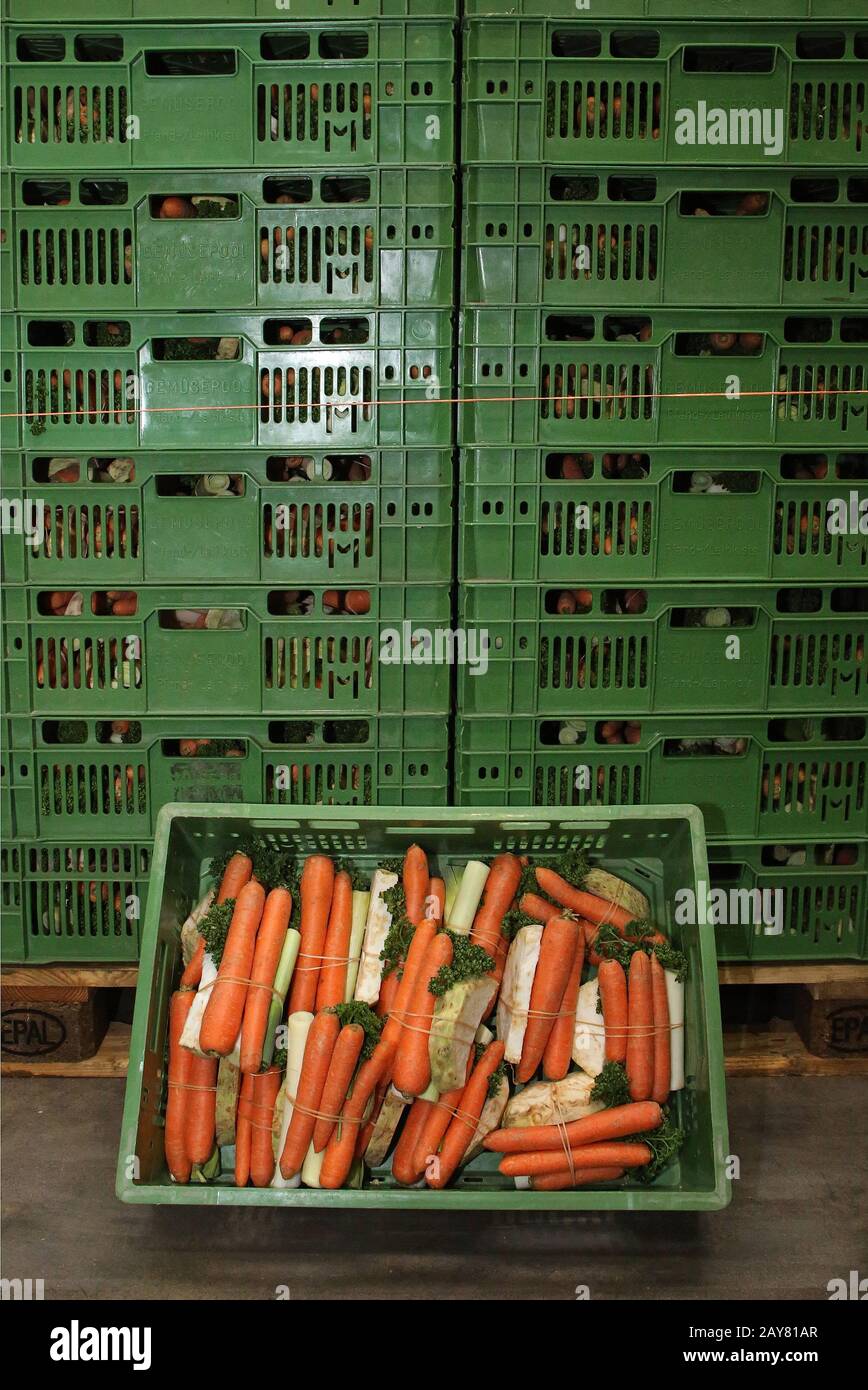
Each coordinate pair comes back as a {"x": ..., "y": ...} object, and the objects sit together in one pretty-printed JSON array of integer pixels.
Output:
[
  {"x": 177, "y": 1159},
  {"x": 615, "y": 1123},
  {"x": 333, "y": 975},
  {"x": 405, "y": 1166},
  {"x": 225, "y": 1007},
  {"x": 412, "y": 1068},
  {"x": 640, "y": 1023},
  {"x": 337, "y": 1082},
  {"x": 613, "y": 999},
  {"x": 243, "y": 1133},
  {"x": 620, "y": 1154},
  {"x": 341, "y": 1148},
  {"x": 400, "y": 1023},
  {"x": 317, "y": 883},
  {"x": 193, "y": 969},
  {"x": 435, "y": 1125},
  {"x": 500, "y": 889},
  {"x": 201, "y": 1107},
  {"x": 536, "y": 907},
  {"x": 366, "y": 1131},
  {"x": 436, "y": 899},
  {"x": 587, "y": 905},
  {"x": 558, "y": 1050},
  {"x": 266, "y": 1088},
  {"x": 556, "y": 956},
  {"x": 266, "y": 955},
  {"x": 662, "y": 1041},
  {"x": 462, "y": 1128},
  {"x": 415, "y": 881},
  {"x": 557, "y": 1182},
  {"x": 318, "y": 1051},
  {"x": 388, "y": 990},
  {"x": 235, "y": 875}
]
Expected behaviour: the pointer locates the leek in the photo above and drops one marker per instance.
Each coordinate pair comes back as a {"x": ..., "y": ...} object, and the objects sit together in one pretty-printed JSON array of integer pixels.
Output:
[
  {"x": 467, "y": 899},
  {"x": 297, "y": 1030},
  {"x": 285, "y": 967},
  {"x": 675, "y": 1000},
  {"x": 361, "y": 907}
]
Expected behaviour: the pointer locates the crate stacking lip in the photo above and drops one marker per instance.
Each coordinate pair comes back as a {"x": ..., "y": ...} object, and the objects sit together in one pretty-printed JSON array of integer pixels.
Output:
[
  {"x": 202, "y": 10},
  {"x": 158, "y": 382},
  {"x": 660, "y": 848},
  {"x": 364, "y": 238},
  {"x": 266, "y": 95},
  {"x": 554, "y": 377},
  {"x": 657, "y": 9},
  {"x": 647, "y": 515},
  {"x": 589, "y": 93},
  {"x": 736, "y": 648},
  {"x": 751, "y": 777},
  {"x": 297, "y": 517},
  {"x": 638, "y": 237},
  {"x": 260, "y": 651},
  {"x": 814, "y": 903},
  {"x": 73, "y": 900},
  {"x": 100, "y": 778}
]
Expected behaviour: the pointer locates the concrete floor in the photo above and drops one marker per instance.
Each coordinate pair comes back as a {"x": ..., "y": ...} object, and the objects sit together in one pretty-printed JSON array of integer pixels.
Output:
[{"x": 799, "y": 1217}]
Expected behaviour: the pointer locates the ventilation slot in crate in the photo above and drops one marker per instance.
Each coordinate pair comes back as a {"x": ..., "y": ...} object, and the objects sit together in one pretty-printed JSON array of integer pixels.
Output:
[
  {"x": 828, "y": 111},
  {"x": 334, "y": 115},
  {"x": 81, "y": 115},
  {"x": 820, "y": 253},
  {"x": 338, "y": 532},
  {"x": 335, "y": 256},
  {"x": 88, "y": 663},
  {"x": 97, "y": 396},
  {"x": 813, "y": 392},
  {"x": 314, "y": 784},
  {"x": 339, "y": 668},
  {"x": 117, "y": 789},
  {"x": 317, "y": 395},
  {"x": 608, "y": 528},
  {"x": 592, "y": 663},
  {"x": 819, "y": 661},
  {"x": 596, "y": 391},
  {"x": 70, "y": 256},
  {"x": 624, "y": 110},
  {"x": 90, "y": 533}
]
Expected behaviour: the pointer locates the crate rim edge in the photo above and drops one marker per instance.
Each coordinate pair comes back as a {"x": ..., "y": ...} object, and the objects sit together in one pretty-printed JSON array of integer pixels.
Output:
[{"x": 127, "y": 1190}]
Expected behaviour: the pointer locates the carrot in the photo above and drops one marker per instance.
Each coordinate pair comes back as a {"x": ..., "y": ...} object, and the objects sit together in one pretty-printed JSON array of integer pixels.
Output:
[
  {"x": 559, "y": 1048},
  {"x": 317, "y": 884},
  {"x": 613, "y": 999},
  {"x": 614, "y": 1123},
  {"x": 177, "y": 1160},
  {"x": 225, "y": 1007},
  {"x": 341, "y": 1148},
  {"x": 435, "y": 1125},
  {"x": 266, "y": 1087},
  {"x": 333, "y": 975},
  {"x": 235, "y": 875},
  {"x": 366, "y": 1131},
  {"x": 557, "y": 1182},
  {"x": 388, "y": 990},
  {"x": 318, "y": 1051},
  {"x": 415, "y": 881},
  {"x": 662, "y": 1041},
  {"x": 620, "y": 1154},
  {"x": 243, "y": 1133},
  {"x": 400, "y": 1024},
  {"x": 462, "y": 1128},
  {"x": 201, "y": 1107},
  {"x": 556, "y": 956},
  {"x": 412, "y": 1069},
  {"x": 266, "y": 955},
  {"x": 436, "y": 901},
  {"x": 406, "y": 1168},
  {"x": 640, "y": 1022},
  {"x": 588, "y": 905},
  {"x": 500, "y": 888},
  {"x": 193, "y": 969},
  {"x": 537, "y": 907},
  {"x": 337, "y": 1082}
]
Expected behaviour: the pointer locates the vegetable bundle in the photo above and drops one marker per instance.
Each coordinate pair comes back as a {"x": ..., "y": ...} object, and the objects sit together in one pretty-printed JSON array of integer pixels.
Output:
[{"x": 330, "y": 1022}]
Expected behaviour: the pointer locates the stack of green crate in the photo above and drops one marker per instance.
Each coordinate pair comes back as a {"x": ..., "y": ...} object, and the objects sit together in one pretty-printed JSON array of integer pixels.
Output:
[
  {"x": 228, "y": 257},
  {"x": 664, "y": 441}
]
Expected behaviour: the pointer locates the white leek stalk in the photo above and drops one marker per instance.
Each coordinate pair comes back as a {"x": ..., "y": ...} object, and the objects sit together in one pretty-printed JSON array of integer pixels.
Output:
[
  {"x": 467, "y": 899},
  {"x": 361, "y": 907},
  {"x": 675, "y": 1000},
  {"x": 297, "y": 1030}
]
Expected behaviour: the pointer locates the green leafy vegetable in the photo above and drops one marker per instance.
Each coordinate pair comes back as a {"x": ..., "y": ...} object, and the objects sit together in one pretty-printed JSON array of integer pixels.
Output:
[
  {"x": 611, "y": 945},
  {"x": 357, "y": 1012},
  {"x": 611, "y": 1087},
  {"x": 360, "y": 878},
  {"x": 513, "y": 922},
  {"x": 671, "y": 959},
  {"x": 469, "y": 962},
  {"x": 400, "y": 933},
  {"x": 214, "y": 928},
  {"x": 664, "y": 1144},
  {"x": 495, "y": 1079},
  {"x": 392, "y": 866},
  {"x": 278, "y": 1060},
  {"x": 273, "y": 867}
]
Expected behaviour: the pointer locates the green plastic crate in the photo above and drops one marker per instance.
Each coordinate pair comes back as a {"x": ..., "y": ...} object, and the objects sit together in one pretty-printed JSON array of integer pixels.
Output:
[
  {"x": 588, "y": 93},
  {"x": 662, "y": 848},
  {"x": 796, "y": 778},
  {"x": 267, "y": 95},
  {"x": 521, "y": 520},
  {"x": 351, "y": 238},
  {"x": 395, "y": 527},
  {"x": 799, "y": 650},
  {"x": 217, "y": 10},
  {"x": 660, "y": 9},
  {"x": 382, "y": 378},
  {"x": 73, "y": 901},
  {"x": 316, "y": 664},
  {"x": 822, "y": 911},
  {"x": 567, "y": 237},
  {"x": 579, "y": 379},
  {"x": 65, "y": 777}
]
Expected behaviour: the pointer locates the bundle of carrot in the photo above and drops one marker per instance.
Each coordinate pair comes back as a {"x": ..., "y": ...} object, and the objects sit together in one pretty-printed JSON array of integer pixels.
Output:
[{"x": 320, "y": 1025}]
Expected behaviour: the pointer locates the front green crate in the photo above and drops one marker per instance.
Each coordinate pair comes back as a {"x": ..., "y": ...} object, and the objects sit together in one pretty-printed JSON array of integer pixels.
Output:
[
  {"x": 250, "y": 658},
  {"x": 735, "y": 648},
  {"x": 750, "y": 777},
  {"x": 636, "y": 238},
  {"x": 88, "y": 779},
  {"x": 806, "y": 902},
  {"x": 588, "y": 93},
  {"x": 636, "y": 517},
  {"x": 350, "y": 381},
  {"x": 394, "y": 526},
  {"x": 348, "y": 238},
  {"x": 532, "y": 376},
  {"x": 660, "y": 848},
  {"x": 73, "y": 901},
  {"x": 271, "y": 96}
]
